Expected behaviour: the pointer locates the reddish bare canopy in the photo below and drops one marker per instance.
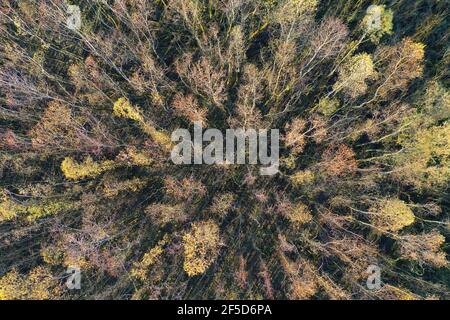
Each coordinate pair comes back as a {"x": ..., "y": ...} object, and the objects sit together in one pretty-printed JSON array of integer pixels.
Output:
[
  {"x": 339, "y": 161},
  {"x": 329, "y": 39}
]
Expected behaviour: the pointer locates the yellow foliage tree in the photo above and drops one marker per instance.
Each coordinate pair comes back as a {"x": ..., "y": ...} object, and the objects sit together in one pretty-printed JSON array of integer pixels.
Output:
[
  {"x": 35, "y": 212},
  {"x": 150, "y": 258},
  {"x": 8, "y": 209},
  {"x": 32, "y": 211},
  {"x": 299, "y": 215},
  {"x": 392, "y": 215},
  {"x": 425, "y": 162},
  {"x": 135, "y": 157},
  {"x": 39, "y": 284},
  {"x": 301, "y": 178},
  {"x": 327, "y": 106},
  {"x": 201, "y": 246},
  {"x": 353, "y": 75},
  {"x": 87, "y": 169},
  {"x": 124, "y": 109},
  {"x": 294, "y": 10}
]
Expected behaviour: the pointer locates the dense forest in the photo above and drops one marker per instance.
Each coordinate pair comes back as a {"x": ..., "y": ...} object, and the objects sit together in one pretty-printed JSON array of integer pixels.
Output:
[{"x": 357, "y": 88}]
